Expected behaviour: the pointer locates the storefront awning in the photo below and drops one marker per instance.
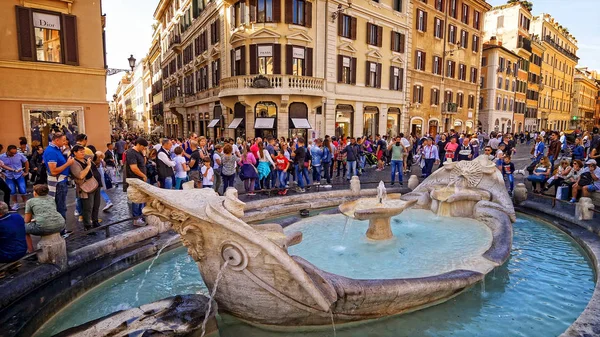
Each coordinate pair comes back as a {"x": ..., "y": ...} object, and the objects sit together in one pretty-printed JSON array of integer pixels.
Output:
[
  {"x": 235, "y": 123},
  {"x": 214, "y": 122},
  {"x": 264, "y": 123},
  {"x": 300, "y": 123}
]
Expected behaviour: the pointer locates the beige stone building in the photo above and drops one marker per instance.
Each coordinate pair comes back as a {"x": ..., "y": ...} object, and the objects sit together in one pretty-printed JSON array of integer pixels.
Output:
[
  {"x": 284, "y": 68},
  {"x": 52, "y": 66},
  {"x": 584, "y": 102},
  {"x": 558, "y": 70},
  {"x": 444, "y": 74}
]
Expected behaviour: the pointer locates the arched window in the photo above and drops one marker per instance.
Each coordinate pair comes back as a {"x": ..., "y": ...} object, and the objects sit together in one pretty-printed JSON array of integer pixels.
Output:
[
  {"x": 266, "y": 117},
  {"x": 370, "y": 121},
  {"x": 298, "y": 113},
  {"x": 344, "y": 117}
]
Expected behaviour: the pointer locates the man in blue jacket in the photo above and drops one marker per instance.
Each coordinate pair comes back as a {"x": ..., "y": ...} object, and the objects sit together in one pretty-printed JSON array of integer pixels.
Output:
[{"x": 13, "y": 244}]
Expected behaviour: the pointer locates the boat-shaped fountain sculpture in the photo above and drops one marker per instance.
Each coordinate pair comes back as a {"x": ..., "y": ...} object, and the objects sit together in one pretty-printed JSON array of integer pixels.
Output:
[{"x": 261, "y": 283}]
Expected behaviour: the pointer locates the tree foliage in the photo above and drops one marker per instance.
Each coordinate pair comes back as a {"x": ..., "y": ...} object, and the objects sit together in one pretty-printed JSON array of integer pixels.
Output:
[{"x": 526, "y": 4}]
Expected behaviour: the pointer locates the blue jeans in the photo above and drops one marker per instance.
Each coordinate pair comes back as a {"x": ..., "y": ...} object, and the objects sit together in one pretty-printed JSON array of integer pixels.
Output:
[
  {"x": 60, "y": 198},
  {"x": 397, "y": 167},
  {"x": 78, "y": 206},
  {"x": 511, "y": 180},
  {"x": 551, "y": 159},
  {"x": 105, "y": 196},
  {"x": 282, "y": 178},
  {"x": 166, "y": 183},
  {"x": 317, "y": 173},
  {"x": 17, "y": 185},
  {"x": 428, "y": 167},
  {"x": 363, "y": 161},
  {"x": 327, "y": 170},
  {"x": 136, "y": 209},
  {"x": 180, "y": 181},
  {"x": 351, "y": 169},
  {"x": 301, "y": 174}
]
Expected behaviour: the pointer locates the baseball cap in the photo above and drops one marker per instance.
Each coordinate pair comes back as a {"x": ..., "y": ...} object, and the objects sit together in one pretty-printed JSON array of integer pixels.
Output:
[{"x": 590, "y": 162}]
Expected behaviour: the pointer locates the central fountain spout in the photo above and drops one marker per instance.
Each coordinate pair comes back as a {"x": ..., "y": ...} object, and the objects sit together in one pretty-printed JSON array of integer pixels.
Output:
[{"x": 378, "y": 211}]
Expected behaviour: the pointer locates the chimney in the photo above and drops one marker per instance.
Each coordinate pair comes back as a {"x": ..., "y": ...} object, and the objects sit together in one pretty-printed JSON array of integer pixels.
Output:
[{"x": 493, "y": 41}]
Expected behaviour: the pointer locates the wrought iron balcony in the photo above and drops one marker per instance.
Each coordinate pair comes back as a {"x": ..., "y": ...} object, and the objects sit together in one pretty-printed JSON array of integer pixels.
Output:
[{"x": 556, "y": 46}]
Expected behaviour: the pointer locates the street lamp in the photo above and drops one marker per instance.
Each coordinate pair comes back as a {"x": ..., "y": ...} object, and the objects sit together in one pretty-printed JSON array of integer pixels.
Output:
[
  {"x": 131, "y": 60},
  {"x": 340, "y": 10}
]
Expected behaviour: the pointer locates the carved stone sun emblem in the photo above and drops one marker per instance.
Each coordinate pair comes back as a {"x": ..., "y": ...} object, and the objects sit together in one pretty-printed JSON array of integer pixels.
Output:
[{"x": 469, "y": 172}]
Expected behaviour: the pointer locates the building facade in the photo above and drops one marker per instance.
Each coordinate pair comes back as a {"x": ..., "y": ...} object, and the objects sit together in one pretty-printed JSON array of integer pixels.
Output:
[
  {"x": 499, "y": 76},
  {"x": 52, "y": 66},
  {"x": 444, "y": 72},
  {"x": 558, "y": 70},
  {"x": 584, "y": 103},
  {"x": 283, "y": 68}
]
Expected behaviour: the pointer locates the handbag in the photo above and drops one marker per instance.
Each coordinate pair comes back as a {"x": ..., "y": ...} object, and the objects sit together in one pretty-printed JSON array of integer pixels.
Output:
[
  {"x": 89, "y": 185},
  {"x": 107, "y": 181},
  {"x": 585, "y": 179},
  {"x": 562, "y": 192}
]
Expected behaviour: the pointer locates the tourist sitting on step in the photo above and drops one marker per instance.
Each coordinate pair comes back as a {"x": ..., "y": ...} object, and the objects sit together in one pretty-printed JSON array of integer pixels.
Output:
[
  {"x": 541, "y": 173},
  {"x": 41, "y": 216},
  {"x": 589, "y": 180},
  {"x": 13, "y": 245}
]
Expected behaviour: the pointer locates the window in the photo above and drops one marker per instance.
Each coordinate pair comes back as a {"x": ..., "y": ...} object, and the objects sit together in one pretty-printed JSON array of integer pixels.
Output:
[
  {"x": 506, "y": 84},
  {"x": 452, "y": 34},
  {"x": 505, "y": 104},
  {"x": 498, "y": 103},
  {"x": 420, "y": 60},
  {"x": 480, "y": 102},
  {"x": 374, "y": 34},
  {"x": 238, "y": 14},
  {"x": 397, "y": 5},
  {"x": 471, "y": 102},
  {"x": 514, "y": 86},
  {"x": 298, "y": 12},
  {"x": 396, "y": 78},
  {"x": 464, "y": 39},
  {"x": 448, "y": 96},
  {"x": 475, "y": 44},
  {"x": 511, "y": 105},
  {"x": 473, "y": 78},
  {"x": 439, "y": 5},
  {"x": 421, "y": 20},
  {"x": 465, "y": 14},
  {"x": 435, "y": 97},
  {"x": 47, "y": 37},
  {"x": 398, "y": 41},
  {"x": 298, "y": 63},
  {"x": 265, "y": 110},
  {"x": 499, "y": 82},
  {"x": 265, "y": 59},
  {"x": 264, "y": 10},
  {"x": 216, "y": 72},
  {"x": 418, "y": 94},
  {"x": 437, "y": 65},
  {"x": 484, "y": 61},
  {"x": 450, "y": 69},
  {"x": 459, "y": 99},
  {"x": 476, "y": 16},
  {"x": 453, "y": 8},
  {"x": 462, "y": 72},
  {"x": 347, "y": 27},
  {"x": 501, "y": 65},
  {"x": 438, "y": 28},
  {"x": 215, "y": 33},
  {"x": 238, "y": 64},
  {"x": 346, "y": 69},
  {"x": 500, "y": 22}
]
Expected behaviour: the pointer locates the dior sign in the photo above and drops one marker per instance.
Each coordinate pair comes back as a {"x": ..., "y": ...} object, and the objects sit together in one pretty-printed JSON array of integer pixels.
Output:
[{"x": 46, "y": 21}]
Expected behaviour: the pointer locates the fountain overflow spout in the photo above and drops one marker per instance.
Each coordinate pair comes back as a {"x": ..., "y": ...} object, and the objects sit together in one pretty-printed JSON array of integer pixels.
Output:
[{"x": 381, "y": 192}]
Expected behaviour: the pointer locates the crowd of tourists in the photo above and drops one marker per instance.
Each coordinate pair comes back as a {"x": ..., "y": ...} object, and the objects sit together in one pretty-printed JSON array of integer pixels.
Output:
[{"x": 269, "y": 165}]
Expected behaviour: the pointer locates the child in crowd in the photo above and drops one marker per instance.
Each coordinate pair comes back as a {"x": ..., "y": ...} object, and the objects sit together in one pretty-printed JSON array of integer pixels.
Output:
[
  {"x": 181, "y": 168},
  {"x": 500, "y": 156},
  {"x": 282, "y": 164},
  {"x": 508, "y": 170},
  {"x": 208, "y": 175}
]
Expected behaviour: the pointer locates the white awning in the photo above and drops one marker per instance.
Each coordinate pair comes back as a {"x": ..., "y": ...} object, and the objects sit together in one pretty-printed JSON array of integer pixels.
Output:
[
  {"x": 264, "y": 123},
  {"x": 214, "y": 122},
  {"x": 235, "y": 123},
  {"x": 301, "y": 123}
]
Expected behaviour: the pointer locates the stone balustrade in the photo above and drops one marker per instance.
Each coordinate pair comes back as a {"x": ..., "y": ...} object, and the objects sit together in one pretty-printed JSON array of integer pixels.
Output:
[{"x": 280, "y": 83}]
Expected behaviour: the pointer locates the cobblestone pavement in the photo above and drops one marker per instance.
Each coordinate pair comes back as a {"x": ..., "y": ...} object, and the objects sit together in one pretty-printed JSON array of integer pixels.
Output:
[{"x": 121, "y": 208}]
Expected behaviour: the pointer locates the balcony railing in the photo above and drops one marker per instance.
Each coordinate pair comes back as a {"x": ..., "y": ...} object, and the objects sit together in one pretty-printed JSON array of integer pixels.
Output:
[
  {"x": 273, "y": 82},
  {"x": 561, "y": 49},
  {"x": 525, "y": 43},
  {"x": 449, "y": 107}
]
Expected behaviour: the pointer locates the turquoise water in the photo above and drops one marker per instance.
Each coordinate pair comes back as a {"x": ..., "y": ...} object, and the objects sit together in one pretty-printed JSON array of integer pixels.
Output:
[
  {"x": 540, "y": 291},
  {"x": 423, "y": 245}
]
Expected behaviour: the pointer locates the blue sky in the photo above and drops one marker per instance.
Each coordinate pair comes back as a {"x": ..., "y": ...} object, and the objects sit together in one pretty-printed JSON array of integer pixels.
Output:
[{"x": 128, "y": 29}]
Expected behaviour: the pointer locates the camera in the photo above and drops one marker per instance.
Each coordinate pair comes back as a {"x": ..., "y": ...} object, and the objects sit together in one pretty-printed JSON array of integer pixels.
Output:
[{"x": 397, "y": 143}]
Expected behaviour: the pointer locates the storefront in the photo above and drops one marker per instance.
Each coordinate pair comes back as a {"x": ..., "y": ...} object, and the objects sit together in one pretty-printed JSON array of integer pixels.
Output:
[
  {"x": 265, "y": 121},
  {"x": 458, "y": 126},
  {"x": 238, "y": 124},
  {"x": 370, "y": 121},
  {"x": 416, "y": 126},
  {"x": 344, "y": 118},
  {"x": 393, "y": 122},
  {"x": 39, "y": 122},
  {"x": 298, "y": 122},
  {"x": 469, "y": 127},
  {"x": 216, "y": 123},
  {"x": 433, "y": 127}
]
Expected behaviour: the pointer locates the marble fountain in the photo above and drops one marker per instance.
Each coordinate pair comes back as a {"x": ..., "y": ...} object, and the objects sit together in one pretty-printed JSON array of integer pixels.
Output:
[{"x": 262, "y": 283}]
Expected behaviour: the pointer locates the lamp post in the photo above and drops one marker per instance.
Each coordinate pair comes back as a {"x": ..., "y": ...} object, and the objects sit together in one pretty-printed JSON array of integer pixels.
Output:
[
  {"x": 131, "y": 60},
  {"x": 340, "y": 10}
]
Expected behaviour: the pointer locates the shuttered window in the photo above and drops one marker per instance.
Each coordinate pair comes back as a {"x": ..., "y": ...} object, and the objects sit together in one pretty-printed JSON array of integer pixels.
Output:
[
  {"x": 373, "y": 75},
  {"x": 298, "y": 12},
  {"x": 265, "y": 59},
  {"x": 347, "y": 26},
  {"x": 374, "y": 34},
  {"x": 298, "y": 60},
  {"x": 346, "y": 69},
  {"x": 398, "y": 42},
  {"x": 396, "y": 78},
  {"x": 46, "y": 36}
]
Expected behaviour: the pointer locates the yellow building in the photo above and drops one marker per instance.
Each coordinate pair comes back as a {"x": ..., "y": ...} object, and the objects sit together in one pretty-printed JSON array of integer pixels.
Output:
[
  {"x": 444, "y": 70},
  {"x": 499, "y": 72},
  {"x": 558, "y": 69},
  {"x": 52, "y": 68},
  {"x": 534, "y": 85},
  {"x": 295, "y": 68},
  {"x": 584, "y": 102}
]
